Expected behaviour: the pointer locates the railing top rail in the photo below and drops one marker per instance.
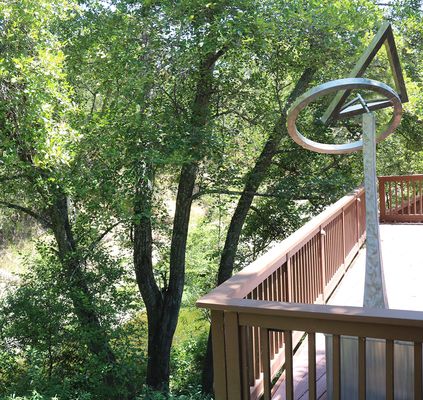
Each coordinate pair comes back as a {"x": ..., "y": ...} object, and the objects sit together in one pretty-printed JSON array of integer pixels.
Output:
[
  {"x": 239, "y": 285},
  {"x": 378, "y": 316},
  {"x": 400, "y": 177}
]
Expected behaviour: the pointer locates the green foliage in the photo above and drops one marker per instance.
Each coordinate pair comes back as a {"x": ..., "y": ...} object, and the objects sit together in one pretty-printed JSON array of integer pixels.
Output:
[
  {"x": 187, "y": 362},
  {"x": 42, "y": 345},
  {"x": 195, "y": 394}
]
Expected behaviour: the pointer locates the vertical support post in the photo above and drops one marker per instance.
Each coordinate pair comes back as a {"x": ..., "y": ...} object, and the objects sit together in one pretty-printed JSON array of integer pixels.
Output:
[
  {"x": 374, "y": 287},
  {"x": 219, "y": 363},
  {"x": 233, "y": 356}
]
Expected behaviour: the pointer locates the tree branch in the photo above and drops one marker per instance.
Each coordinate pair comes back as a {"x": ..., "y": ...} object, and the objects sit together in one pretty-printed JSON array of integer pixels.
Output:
[
  {"x": 27, "y": 211},
  {"x": 101, "y": 237},
  {"x": 231, "y": 193}
]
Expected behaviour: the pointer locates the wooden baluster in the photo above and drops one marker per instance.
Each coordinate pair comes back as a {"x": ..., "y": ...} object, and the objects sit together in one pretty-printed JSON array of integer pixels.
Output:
[
  {"x": 250, "y": 355},
  {"x": 323, "y": 262},
  {"x": 418, "y": 392},
  {"x": 290, "y": 296},
  {"x": 257, "y": 360},
  {"x": 275, "y": 298},
  {"x": 396, "y": 196},
  {"x": 300, "y": 277},
  {"x": 402, "y": 196},
  {"x": 315, "y": 267},
  {"x": 265, "y": 357},
  {"x": 289, "y": 378},
  {"x": 245, "y": 382},
  {"x": 408, "y": 198},
  {"x": 279, "y": 299},
  {"x": 389, "y": 369},
  {"x": 336, "y": 362},
  {"x": 312, "y": 394},
  {"x": 343, "y": 236},
  {"x": 421, "y": 197},
  {"x": 362, "y": 368},
  {"x": 382, "y": 204},
  {"x": 415, "y": 191}
]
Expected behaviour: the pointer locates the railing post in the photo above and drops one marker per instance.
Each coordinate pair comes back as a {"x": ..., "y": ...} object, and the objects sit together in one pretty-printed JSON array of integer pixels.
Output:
[
  {"x": 323, "y": 262},
  {"x": 219, "y": 362},
  {"x": 382, "y": 203},
  {"x": 233, "y": 356}
]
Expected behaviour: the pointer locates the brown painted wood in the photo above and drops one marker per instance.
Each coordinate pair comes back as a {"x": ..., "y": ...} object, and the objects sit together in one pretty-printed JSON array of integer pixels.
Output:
[
  {"x": 418, "y": 387},
  {"x": 362, "y": 368},
  {"x": 289, "y": 380},
  {"x": 382, "y": 203},
  {"x": 250, "y": 355},
  {"x": 233, "y": 357},
  {"x": 244, "y": 363},
  {"x": 336, "y": 365},
  {"x": 219, "y": 361},
  {"x": 389, "y": 369},
  {"x": 311, "y": 366},
  {"x": 256, "y": 353},
  {"x": 323, "y": 261},
  {"x": 265, "y": 357}
]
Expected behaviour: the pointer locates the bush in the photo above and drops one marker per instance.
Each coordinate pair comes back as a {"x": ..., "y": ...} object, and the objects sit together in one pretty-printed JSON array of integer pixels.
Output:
[
  {"x": 186, "y": 364},
  {"x": 195, "y": 394},
  {"x": 42, "y": 346}
]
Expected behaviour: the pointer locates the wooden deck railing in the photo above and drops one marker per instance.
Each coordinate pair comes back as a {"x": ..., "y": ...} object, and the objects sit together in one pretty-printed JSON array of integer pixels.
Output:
[
  {"x": 304, "y": 268},
  {"x": 401, "y": 198},
  {"x": 237, "y": 318}
]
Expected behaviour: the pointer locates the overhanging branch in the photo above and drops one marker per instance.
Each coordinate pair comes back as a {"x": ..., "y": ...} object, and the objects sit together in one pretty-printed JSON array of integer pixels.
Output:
[{"x": 27, "y": 211}]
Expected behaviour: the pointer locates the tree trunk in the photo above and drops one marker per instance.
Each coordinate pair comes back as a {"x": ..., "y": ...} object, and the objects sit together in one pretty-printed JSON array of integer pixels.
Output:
[
  {"x": 163, "y": 305},
  {"x": 254, "y": 180},
  {"x": 80, "y": 295}
]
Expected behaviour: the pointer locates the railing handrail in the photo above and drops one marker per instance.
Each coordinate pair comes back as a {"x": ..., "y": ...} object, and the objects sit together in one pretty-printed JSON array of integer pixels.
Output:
[
  {"x": 372, "y": 316},
  {"x": 400, "y": 177},
  {"x": 239, "y": 285}
]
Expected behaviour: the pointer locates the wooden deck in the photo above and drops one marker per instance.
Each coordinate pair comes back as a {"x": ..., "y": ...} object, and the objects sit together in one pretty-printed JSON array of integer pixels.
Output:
[{"x": 402, "y": 247}]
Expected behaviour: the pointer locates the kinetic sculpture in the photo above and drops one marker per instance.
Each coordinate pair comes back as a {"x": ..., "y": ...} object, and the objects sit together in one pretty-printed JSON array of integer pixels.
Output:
[{"x": 374, "y": 292}]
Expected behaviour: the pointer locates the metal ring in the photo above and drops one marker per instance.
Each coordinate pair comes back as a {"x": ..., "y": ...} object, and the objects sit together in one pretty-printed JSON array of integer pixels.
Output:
[{"x": 334, "y": 86}]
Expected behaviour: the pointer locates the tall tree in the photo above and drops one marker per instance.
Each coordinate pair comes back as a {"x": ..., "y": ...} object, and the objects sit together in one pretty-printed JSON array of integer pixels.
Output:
[{"x": 37, "y": 146}]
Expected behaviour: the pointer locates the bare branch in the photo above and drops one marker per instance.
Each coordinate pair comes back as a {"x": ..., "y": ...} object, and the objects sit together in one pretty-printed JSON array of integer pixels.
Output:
[
  {"x": 101, "y": 237},
  {"x": 230, "y": 193}
]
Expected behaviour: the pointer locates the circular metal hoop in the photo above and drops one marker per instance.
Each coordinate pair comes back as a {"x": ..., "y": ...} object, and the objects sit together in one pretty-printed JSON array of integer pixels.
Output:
[{"x": 334, "y": 86}]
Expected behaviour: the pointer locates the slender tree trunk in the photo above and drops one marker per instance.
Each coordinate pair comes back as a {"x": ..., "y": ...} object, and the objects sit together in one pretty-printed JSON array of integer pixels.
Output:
[
  {"x": 80, "y": 295},
  {"x": 252, "y": 184}
]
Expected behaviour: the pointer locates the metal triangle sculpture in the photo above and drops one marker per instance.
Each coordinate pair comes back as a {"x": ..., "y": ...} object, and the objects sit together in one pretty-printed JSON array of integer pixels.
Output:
[
  {"x": 385, "y": 36},
  {"x": 374, "y": 291}
]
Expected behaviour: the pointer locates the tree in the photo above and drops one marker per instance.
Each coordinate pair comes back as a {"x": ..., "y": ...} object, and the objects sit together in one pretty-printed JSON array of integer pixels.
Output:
[{"x": 37, "y": 148}]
